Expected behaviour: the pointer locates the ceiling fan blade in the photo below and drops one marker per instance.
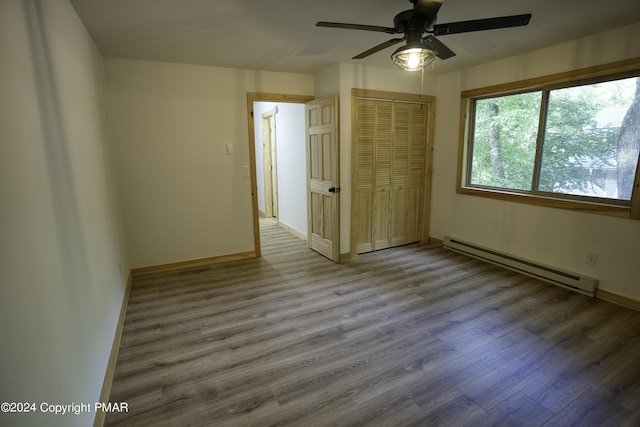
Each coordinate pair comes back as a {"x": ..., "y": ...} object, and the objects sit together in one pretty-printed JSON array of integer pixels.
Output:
[
  {"x": 378, "y": 48},
  {"x": 481, "y": 24},
  {"x": 442, "y": 51},
  {"x": 376, "y": 28}
]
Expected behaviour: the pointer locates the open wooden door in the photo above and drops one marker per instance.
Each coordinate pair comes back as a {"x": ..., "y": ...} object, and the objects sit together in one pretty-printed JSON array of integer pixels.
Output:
[{"x": 323, "y": 184}]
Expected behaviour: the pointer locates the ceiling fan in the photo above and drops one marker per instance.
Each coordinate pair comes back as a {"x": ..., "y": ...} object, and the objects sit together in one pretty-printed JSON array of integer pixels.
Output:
[{"x": 420, "y": 50}]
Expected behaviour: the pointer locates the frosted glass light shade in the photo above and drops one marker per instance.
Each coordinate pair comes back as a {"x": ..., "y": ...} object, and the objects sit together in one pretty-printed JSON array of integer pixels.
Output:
[{"x": 413, "y": 58}]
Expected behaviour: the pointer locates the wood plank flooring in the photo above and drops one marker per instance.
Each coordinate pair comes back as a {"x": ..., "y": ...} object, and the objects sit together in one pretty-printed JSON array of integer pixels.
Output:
[{"x": 411, "y": 336}]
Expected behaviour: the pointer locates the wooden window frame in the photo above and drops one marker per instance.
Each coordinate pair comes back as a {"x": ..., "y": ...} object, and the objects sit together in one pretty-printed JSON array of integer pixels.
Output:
[{"x": 617, "y": 70}]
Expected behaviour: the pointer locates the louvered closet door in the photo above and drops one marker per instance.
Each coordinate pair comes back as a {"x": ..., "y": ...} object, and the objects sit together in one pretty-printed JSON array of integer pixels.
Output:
[
  {"x": 416, "y": 179},
  {"x": 382, "y": 174},
  {"x": 390, "y": 150},
  {"x": 400, "y": 173},
  {"x": 363, "y": 175}
]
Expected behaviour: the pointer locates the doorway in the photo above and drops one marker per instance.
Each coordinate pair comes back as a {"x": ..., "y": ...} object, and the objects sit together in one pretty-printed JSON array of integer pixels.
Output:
[{"x": 285, "y": 171}]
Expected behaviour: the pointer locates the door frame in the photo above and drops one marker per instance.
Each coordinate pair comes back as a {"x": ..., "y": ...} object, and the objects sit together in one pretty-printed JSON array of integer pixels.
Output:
[{"x": 262, "y": 97}]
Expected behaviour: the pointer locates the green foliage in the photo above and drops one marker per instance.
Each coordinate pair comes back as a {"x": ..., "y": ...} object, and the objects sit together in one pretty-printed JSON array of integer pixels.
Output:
[
  {"x": 574, "y": 144},
  {"x": 518, "y": 124},
  {"x": 580, "y": 140}
]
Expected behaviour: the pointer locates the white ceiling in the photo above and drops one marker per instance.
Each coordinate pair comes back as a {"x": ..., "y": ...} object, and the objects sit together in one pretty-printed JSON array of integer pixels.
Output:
[{"x": 280, "y": 35}]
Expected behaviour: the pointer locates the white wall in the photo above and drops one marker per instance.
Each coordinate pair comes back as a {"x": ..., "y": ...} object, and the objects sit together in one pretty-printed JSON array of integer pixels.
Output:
[
  {"x": 60, "y": 232},
  {"x": 184, "y": 198},
  {"x": 291, "y": 162},
  {"x": 552, "y": 236}
]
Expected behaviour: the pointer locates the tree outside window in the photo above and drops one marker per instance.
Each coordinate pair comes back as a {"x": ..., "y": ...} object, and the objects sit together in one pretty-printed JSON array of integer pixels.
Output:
[{"x": 588, "y": 148}]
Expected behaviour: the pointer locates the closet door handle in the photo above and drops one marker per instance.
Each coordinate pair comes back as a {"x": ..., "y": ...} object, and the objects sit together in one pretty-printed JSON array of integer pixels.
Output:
[{"x": 334, "y": 190}]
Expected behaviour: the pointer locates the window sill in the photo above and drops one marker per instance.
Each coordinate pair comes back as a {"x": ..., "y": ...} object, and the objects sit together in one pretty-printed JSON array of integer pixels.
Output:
[{"x": 537, "y": 200}]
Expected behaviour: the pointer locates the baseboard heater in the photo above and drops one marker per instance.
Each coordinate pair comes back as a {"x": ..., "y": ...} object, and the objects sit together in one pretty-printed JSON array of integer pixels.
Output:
[{"x": 573, "y": 281}]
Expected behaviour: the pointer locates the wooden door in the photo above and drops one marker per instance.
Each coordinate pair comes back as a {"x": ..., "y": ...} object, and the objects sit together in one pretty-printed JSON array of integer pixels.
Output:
[
  {"x": 274, "y": 166},
  {"x": 390, "y": 165},
  {"x": 382, "y": 174},
  {"x": 418, "y": 183},
  {"x": 363, "y": 146},
  {"x": 402, "y": 132},
  {"x": 323, "y": 183},
  {"x": 268, "y": 156},
  {"x": 409, "y": 172},
  {"x": 270, "y": 165}
]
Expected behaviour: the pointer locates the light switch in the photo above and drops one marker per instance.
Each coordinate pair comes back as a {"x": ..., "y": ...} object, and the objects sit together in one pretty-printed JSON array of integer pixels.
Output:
[{"x": 229, "y": 148}]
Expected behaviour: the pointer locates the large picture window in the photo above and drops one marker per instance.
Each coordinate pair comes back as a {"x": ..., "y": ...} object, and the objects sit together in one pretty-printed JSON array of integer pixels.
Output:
[{"x": 576, "y": 141}]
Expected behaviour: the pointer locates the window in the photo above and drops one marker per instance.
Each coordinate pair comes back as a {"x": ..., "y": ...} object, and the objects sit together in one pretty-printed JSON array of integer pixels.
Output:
[{"x": 563, "y": 142}]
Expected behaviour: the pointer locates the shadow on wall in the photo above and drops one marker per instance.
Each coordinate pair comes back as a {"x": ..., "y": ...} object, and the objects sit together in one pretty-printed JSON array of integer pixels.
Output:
[{"x": 66, "y": 215}]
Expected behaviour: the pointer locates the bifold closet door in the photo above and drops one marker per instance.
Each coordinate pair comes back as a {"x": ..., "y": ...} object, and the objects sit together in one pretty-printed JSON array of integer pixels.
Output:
[{"x": 389, "y": 173}]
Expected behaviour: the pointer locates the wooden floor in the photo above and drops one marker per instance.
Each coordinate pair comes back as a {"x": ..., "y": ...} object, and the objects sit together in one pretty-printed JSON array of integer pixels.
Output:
[{"x": 402, "y": 337}]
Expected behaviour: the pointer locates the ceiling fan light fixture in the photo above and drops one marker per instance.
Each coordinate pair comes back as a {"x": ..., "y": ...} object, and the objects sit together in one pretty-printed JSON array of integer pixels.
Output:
[{"x": 411, "y": 58}]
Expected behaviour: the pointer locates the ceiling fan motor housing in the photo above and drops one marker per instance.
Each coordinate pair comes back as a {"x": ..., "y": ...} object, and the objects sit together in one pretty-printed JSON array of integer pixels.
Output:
[{"x": 407, "y": 21}]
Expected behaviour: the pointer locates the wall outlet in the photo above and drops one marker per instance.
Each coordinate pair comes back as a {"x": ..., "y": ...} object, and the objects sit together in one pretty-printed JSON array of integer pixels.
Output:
[{"x": 592, "y": 259}]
